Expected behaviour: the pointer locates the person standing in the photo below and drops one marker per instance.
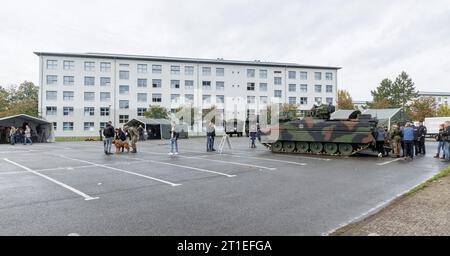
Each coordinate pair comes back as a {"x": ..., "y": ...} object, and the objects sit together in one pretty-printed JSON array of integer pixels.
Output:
[
  {"x": 12, "y": 135},
  {"x": 141, "y": 132},
  {"x": 108, "y": 133},
  {"x": 440, "y": 140},
  {"x": 408, "y": 139},
  {"x": 416, "y": 139},
  {"x": 134, "y": 138},
  {"x": 396, "y": 139},
  {"x": 253, "y": 131},
  {"x": 446, "y": 138},
  {"x": 380, "y": 137},
  {"x": 422, "y": 130},
  {"x": 173, "y": 140},
  {"x": 27, "y": 135},
  {"x": 210, "y": 134}
]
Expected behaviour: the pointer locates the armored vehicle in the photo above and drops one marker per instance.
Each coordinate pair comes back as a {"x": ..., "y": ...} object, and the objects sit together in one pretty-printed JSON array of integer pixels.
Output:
[{"x": 318, "y": 134}]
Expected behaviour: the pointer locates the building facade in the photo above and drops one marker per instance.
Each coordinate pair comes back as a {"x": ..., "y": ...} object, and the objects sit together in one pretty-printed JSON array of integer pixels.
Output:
[
  {"x": 442, "y": 98},
  {"x": 79, "y": 93}
]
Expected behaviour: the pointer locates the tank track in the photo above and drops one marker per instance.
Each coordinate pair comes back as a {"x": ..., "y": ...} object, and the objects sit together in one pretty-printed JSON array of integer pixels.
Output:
[{"x": 323, "y": 153}]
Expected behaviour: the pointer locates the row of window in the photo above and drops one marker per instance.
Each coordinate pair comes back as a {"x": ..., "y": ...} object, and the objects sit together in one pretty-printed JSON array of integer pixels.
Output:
[
  {"x": 176, "y": 70},
  {"x": 88, "y": 126}
]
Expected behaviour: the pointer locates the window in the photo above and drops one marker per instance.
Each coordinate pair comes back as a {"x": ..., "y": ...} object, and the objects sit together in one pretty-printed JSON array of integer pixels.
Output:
[
  {"x": 142, "y": 83},
  {"x": 189, "y": 98},
  {"x": 189, "y": 70},
  {"x": 189, "y": 84},
  {"x": 89, "y": 66},
  {"x": 292, "y": 75},
  {"x": 175, "y": 84},
  {"x": 105, "y": 81},
  {"x": 51, "y": 95},
  {"x": 263, "y": 74},
  {"x": 105, "y": 96},
  {"x": 156, "y": 69},
  {"x": 220, "y": 72},
  {"x": 220, "y": 86},
  {"x": 318, "y": 88},
  {"x": 124, "y": 75},
  {"x": 292, "y": 88},
  {"x": 206, "y": 71},
  {"x": 277, "y": 94},
  {"x": 329, "y": 76},
  {"x": 156, "y": 83},
  {"x": 51, "y": 79},
  {"x": 206, "y": 85},
  {"x": 69, "y": 80},
  {"x": 206, "y": 99},
  {"x": 142, "y": 97},
  {"x": 329, "y": 100},
  {"x": 67, "y": 126},
  {"x": 89, "y": 96},
  {"x": 102, "y": 125},
  {"x": 263, "y": 99},
  {"x": 68, "y": 65},
  {"x": 175, "y": 70},
  {"x": 303, "y": 101},
  {"x": 67, "y": 111},
  {"x": 89, "y": 81},
  {"x": 318, "y": 75},
  {"x": 55, "y": 126},
  {"x": 250, "y": 73},
  {"x": 220, "y": 99},
  {"x": 89, "y": 111},
  {"x": 263, "y": 87},
  {"x": 156, "y": 97},
  {"x": 329, "y": 88},
  {"x": 292, "y": 100},
  {"x": 123, "y": 119},
  {"x": 318, "y": 100},
  {"x": 124, "y": 104},
  {"x": 52, "y": 64},
  {"x": 141, "y": 111},
  {"x": 68, "y": 96},
  {"x": 250, "y": 86},
  {"x": 175, "y": 98},
  {"x": 104, "y": 111},
  {"x": 304, "y": 75},
  {"x": 105, "y": 66},
  {"x": 124, "y": 89},
  {"x": 142, "y": 68},
  {"x": 277, "y": 80},
  {"x": 303, "y": 88},
  {"x": 250, "y": 99},
  {"x": 51, "y": 111}
]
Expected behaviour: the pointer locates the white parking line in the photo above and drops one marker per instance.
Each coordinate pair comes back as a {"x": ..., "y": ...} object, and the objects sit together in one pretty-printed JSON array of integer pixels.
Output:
[
  {"x": 187, "y": 167},
  {"x": 120, "y": 170},
  {"x": 85, "y": 196},
  {"x": 263, "y": 159},
  {"x": 389, "y": 162},
  {"x": 218, "y": 161}
]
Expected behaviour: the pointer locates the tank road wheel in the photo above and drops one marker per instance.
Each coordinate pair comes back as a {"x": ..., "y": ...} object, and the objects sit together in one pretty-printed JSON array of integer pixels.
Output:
[
  {"x": 302, "y": 147},
  {"x": 289, "y": 146},
  {"x": 277, "y": 146},
  {"x": 345, "y": 149},
  {"x": 330, "y": 148},
  {"x": 316, "y": 147}
]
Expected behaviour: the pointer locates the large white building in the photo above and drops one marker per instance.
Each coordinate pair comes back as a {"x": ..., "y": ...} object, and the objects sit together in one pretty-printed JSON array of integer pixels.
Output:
[
  {"x": 79, "y": 93},
  {"x": 442, "y": 98}
]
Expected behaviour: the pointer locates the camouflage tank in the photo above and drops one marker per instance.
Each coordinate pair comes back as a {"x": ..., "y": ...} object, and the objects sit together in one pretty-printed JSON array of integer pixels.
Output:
[{"x": 318, "y": 134}]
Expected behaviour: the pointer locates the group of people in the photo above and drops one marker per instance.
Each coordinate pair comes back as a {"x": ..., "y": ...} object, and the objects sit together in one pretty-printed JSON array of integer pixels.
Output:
[
  {"x": 20, "y": 135},
  {"x": 120, "y": 137},
  {"x": 405, "y": 141}
]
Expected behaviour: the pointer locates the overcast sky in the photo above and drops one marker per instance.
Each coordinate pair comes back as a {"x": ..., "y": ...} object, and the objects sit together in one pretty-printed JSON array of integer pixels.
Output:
[{"x": 370, "y": 40}]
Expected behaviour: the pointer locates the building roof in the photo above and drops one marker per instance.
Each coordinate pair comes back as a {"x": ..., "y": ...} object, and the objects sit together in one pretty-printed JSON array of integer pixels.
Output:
[
  {"x": 24, "y": 118},
  {"x": 422, "y": 93},
  {"x": 182, "y": 59}
]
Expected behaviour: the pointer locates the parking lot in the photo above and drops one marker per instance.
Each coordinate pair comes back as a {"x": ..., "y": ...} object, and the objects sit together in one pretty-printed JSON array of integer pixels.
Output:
[{"x": 74, "y": 188}]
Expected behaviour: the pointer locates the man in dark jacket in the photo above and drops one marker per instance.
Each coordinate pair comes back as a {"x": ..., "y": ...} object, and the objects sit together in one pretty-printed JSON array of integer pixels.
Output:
[
  {"x": 416, "y": 139},
  {"x": 108, "y": 132},
  {"x": 422, "y": 130},
  {"x": 446, "y": 138}
]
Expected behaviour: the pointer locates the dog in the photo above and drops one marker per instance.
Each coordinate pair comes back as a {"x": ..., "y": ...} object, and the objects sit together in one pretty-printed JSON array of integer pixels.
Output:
[{"x": 121, "y": 145}]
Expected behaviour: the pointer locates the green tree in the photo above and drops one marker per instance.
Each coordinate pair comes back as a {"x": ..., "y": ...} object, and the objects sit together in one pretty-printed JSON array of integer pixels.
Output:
[
  {"x": 156, "y": 112},
  {"x": 19, "y": 100},
  {"x": 404, "y": 90},
  {"x": 345, "y": 101},
  {"x": 422, "y": 107},
  {"x": 394, "y": 94},
  {"x": 383, "y": 93},
  {"x": 4, "y": 100},
  {"x": 443, "y": 111}
]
